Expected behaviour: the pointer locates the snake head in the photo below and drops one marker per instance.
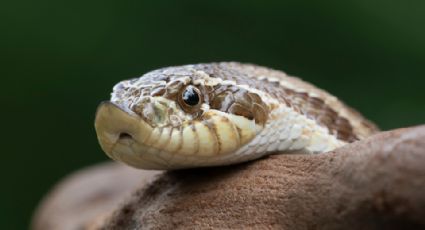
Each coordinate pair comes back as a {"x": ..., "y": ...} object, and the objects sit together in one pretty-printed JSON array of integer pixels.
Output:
[{"x": 179, "y": 117}]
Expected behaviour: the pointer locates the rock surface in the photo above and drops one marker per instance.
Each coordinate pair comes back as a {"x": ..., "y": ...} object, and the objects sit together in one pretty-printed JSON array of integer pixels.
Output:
[
  {"x": 86, "y": 197},
  {"x": 378, "y": 183}
]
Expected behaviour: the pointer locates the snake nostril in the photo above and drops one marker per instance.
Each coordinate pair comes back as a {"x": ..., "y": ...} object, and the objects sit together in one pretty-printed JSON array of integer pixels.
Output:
[{"x": 125, "y": 135}]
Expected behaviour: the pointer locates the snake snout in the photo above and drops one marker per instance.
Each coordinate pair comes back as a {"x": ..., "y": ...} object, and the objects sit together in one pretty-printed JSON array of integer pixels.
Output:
[{"x": 117, "y": 126}]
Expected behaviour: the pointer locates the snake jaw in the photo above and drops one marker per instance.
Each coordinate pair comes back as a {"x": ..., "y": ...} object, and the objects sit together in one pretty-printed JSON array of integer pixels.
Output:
[
  {"x": 124, "y": 136},
  {"x": 114, "y": 126}
]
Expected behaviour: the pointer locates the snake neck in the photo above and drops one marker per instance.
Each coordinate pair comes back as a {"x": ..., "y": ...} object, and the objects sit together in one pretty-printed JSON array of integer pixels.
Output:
[{"x": 289, "y": 131}]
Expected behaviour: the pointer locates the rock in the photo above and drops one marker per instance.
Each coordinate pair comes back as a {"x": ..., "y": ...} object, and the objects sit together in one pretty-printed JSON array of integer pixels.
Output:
[
  {"x": 378, "y": 183},
  {"x": 86, "y": 197}
]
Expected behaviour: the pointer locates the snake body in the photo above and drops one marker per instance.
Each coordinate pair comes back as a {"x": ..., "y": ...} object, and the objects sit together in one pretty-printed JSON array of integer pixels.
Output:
[{"x": 220, "y": 114}]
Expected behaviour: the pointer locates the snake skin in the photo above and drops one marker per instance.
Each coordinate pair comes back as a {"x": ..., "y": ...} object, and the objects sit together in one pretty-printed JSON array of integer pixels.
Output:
[{"x": 245, "y": 112}]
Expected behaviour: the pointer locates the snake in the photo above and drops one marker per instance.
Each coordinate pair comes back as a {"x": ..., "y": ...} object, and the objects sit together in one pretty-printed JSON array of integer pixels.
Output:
[{"x": 223, "y": 113}]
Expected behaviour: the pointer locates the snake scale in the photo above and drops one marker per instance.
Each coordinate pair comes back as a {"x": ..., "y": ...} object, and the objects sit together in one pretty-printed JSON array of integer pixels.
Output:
[{"x": 220, "y": 114}]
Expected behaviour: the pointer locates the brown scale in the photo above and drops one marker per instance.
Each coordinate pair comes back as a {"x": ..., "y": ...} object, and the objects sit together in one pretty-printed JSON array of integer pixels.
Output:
[
  {"x": 312, "y": 107},
  {"x": 172, "y": 89},
  {"x": 158, "y": 91},
  {"x": 316, "y": 109},
  {"x": 233, "y": 100},
  {"x": 236, "y": 100}
]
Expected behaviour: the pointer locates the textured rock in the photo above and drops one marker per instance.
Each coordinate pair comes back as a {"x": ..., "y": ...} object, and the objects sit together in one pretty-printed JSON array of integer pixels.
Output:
[
  {"x": 378, "y": 183},
  {"x": 86, "y": 197}
]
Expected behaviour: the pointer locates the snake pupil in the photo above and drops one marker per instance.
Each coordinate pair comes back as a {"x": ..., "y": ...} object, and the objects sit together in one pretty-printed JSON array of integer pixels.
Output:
[{"x": 190, "y": 96}]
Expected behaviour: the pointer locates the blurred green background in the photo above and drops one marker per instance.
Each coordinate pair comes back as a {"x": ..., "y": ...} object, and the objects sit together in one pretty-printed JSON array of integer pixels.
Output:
[{"x": 59, "y": 59}]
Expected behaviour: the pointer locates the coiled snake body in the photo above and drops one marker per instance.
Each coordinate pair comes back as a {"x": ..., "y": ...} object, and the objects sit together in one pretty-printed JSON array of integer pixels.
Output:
[{"x": 220, "y": 114}]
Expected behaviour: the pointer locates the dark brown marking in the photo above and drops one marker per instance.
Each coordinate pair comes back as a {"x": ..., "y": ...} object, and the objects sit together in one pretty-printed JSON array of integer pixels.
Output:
[
  {"x": 312, "y": 107},
  {"x": 181, "y": 140},
  {"x": 196, "y": 141},
  {"x": 158, "y": 91},
  {"x": 235, "y": 100},
  {"x": 213, "y": 129},
  {"x": 240, "y": 110}
]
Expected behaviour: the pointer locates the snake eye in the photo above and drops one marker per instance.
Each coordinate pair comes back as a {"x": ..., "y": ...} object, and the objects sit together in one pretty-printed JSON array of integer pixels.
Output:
[{"x": 190, "y": 98}]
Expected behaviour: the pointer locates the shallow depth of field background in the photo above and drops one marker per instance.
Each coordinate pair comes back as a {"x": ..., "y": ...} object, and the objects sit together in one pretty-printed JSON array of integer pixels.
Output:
[{"x": 60, "y": 59}]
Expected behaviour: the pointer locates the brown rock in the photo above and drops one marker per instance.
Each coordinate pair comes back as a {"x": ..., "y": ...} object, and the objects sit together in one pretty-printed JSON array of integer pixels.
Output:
[
  {"x": 86, "y": 197},
  {"x": 378, "y": 183}
]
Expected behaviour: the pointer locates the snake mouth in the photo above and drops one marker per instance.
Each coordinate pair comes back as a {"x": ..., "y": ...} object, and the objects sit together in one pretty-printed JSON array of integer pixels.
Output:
[
  {"x": 126, "y": 137},
  {"x": 118, "y": 129}
]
